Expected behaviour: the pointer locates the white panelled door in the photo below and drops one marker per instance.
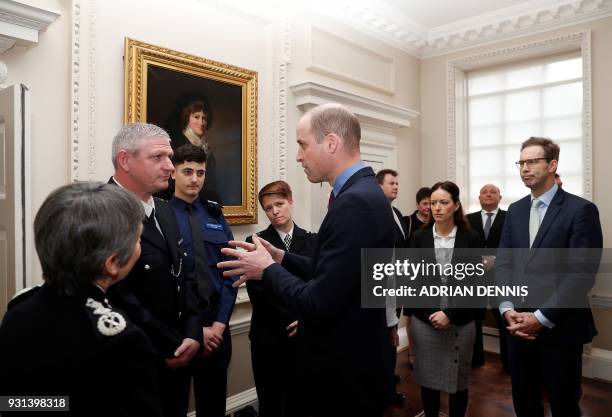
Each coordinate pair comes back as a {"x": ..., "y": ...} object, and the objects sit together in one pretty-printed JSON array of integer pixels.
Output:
[{"x": 15, "y": 218}]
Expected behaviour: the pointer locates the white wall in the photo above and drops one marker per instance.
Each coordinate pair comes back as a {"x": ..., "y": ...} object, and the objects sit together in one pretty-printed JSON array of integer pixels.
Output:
[{"x": 76, "y": 77}]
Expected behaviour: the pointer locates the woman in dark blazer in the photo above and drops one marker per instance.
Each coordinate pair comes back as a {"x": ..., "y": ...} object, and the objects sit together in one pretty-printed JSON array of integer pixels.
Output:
[
  {"x": 443, "y": 335},
  {"x": 273, "y": 348}
]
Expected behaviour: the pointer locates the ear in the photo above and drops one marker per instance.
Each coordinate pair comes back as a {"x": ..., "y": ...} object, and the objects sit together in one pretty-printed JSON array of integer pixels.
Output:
[
  {"x": 111, "y": 266},
  {"x": 123, "y": 160},
  {"x": 552, "y": 167},
  {"x": 457, "y": 205},
  {"x": 333, "y": 142}
]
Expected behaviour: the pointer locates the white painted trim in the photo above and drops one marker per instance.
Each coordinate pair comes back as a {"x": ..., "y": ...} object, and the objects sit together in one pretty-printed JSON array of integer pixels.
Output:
[
  {"x": 323, "y": 68},
  {"x": 562, "y": 43},
  {"x": 237, "y": 402},
  {"x": 240, "y": 326},
  {"x": 310, "y": 94},
  {"x": 596, "y": 363},
  {"x": 21, "y": 23},
  {"x": 601, "y": 300}
]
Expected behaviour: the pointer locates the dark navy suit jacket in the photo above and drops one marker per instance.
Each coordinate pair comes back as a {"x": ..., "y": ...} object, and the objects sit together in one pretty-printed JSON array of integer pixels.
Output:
[
  {"x": 570, "y": 222},
  {"x": 340, "y": 345}
]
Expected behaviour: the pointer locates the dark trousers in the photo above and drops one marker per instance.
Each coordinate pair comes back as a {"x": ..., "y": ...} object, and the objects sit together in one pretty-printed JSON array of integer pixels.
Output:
[
  {"x": 210, "y": 379},
  {"x": 478, "y": 354},
  {"x": 535, "y": 365},
  {"x": 503, "y": 338},
  {"x": 174, "y": 391},
  {"x": 274, "y": 370}
]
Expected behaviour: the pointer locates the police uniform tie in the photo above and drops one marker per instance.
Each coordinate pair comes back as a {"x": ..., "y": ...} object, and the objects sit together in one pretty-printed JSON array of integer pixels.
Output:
[
  {"x": 199, "y": 255},
  {"x": 534, "y": 220},
  {"x": 152, "y": 221},
  {"x": 487, "y": 227},
  {"x": 287, "y": 241}
]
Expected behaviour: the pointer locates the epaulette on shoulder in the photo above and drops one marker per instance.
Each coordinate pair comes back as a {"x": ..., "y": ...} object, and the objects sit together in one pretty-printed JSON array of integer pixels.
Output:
[
  {"x": 23, "y": 295},
  {"x": 213, "y": 207}
]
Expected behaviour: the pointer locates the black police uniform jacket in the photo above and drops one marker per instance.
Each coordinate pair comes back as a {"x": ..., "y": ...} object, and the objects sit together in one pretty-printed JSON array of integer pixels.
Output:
[
  {"x": 77, "y": 346},
  {"x": 158, "y": 294}
]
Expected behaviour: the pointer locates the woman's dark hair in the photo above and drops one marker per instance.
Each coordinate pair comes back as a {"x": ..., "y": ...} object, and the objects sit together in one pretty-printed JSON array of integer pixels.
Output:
[
  {"x": 79, "y": 226},
  {"x": 458, "y": 216}
]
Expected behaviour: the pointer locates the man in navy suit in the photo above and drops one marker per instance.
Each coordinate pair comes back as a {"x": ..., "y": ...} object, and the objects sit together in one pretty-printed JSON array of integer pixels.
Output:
[
  {"x": 546, "y": 347},
  {"x": 343, "y": 349},
  {"x": 489, "y": 223}
]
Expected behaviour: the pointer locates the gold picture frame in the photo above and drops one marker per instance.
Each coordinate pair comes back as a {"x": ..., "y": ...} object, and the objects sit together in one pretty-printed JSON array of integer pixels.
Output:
[{"x": 157, "y": 79}]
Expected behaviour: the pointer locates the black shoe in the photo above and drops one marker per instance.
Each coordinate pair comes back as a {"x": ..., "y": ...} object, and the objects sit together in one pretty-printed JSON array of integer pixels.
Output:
[
  {"x": 398, "y": 378},
  {"x": 398, "y": 398}
]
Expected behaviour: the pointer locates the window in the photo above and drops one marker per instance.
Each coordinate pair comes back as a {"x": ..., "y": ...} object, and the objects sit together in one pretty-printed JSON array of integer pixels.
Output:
[{"x": 509, "y": 103}]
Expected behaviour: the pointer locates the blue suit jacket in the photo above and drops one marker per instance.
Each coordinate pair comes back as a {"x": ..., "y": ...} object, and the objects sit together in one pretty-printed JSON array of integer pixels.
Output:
[
  {"x": 570, "y": 222},
  {"x": 339, "y": 343}
]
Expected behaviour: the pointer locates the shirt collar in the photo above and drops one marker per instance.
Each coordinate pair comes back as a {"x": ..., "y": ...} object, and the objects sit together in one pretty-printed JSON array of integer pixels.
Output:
[
  {"x": 283, "y": 234},
  {"x": 345, "y": 175},
  {"x": 451, "y": 235},
  {"x": 547, "y": 197},
  {"x": 148, "y": 206},
  {"x": 180, "y": 203},
  {"x": 484, "y": 212}
]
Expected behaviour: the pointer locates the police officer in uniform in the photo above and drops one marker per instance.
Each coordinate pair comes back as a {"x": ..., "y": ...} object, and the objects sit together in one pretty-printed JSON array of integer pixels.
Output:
[
  {"x": 159, "y": 294},
  {"x": 64, "y": 338},
  {"x": 205, "y": 231}
]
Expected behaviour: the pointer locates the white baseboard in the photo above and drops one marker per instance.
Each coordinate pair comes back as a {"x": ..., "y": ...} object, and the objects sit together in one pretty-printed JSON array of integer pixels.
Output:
[
  {"x": 596, "y": 363},
  {"x": 237, "y": 401}
]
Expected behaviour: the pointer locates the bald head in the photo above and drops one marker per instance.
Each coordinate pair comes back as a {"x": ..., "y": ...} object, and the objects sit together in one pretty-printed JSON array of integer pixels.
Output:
[
  {"x": 490, "y": 197},
  {"x": 337, "y": 119}
]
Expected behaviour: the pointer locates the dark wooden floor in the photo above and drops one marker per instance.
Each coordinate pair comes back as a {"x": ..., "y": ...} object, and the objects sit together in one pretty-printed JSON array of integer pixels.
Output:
[{"x": 490, "y": 393}]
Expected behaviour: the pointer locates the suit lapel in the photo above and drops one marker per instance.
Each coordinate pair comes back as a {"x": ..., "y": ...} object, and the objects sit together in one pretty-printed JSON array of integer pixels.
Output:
[
  {"x": 551, "y": 213},
  {"x": 271, "y": 235},
  {"x": 297, "y": 240},
  {"x": 165, "y": 223},
  {"x": 404, "y": 229},
  {"x": 152, "y": 236}
]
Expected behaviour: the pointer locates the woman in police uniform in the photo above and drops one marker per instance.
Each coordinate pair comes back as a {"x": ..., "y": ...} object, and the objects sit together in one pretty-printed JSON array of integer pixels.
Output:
[{"x": 64, "y": 338}]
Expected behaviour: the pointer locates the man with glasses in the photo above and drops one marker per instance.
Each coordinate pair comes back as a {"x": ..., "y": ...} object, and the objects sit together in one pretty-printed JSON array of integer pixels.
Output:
[{"x": 545, "y": 349}]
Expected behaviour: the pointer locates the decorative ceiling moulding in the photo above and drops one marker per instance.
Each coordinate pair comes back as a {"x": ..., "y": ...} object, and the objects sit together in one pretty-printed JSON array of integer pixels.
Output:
[
  {"x": 377, "y": 113},
  {"x": 523, "y": 19},
  {"x": 335, "y": 56},
  {"x": 20, "y": 23}
]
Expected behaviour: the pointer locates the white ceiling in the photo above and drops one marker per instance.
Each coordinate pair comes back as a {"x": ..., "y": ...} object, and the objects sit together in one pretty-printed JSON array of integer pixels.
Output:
[{"x": 432, "y": 13}]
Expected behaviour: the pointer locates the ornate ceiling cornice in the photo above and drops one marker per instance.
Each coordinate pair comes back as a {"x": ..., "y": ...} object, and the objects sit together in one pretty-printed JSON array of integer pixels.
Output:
[{"x": 520, "y": 20}]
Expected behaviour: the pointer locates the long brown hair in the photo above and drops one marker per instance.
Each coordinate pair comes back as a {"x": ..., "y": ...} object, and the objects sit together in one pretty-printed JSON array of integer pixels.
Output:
[{"x": 458, "y": 216}]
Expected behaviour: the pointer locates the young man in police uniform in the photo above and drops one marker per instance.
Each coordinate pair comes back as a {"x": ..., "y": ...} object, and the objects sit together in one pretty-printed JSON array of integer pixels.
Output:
[{"x": 204, "y": 232}]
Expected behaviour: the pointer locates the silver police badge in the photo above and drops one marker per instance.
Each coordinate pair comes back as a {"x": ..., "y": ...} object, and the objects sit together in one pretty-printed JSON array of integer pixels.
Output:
[{"x": 110, "y": 322}]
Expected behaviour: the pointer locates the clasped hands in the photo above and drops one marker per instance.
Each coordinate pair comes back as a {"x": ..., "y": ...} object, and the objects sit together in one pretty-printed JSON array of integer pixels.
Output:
[
  {"x": 524, "y": 325},
  {"x": 248, "y": 264}
]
